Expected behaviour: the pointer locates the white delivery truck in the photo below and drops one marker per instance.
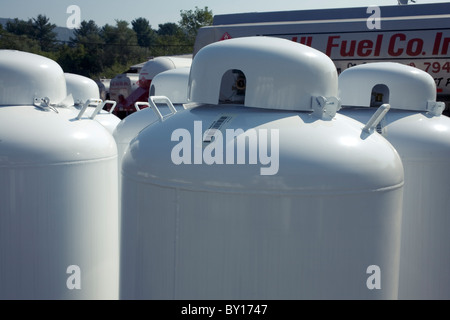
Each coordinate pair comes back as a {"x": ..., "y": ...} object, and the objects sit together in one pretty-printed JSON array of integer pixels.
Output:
[{"x": 416, "y": 35}]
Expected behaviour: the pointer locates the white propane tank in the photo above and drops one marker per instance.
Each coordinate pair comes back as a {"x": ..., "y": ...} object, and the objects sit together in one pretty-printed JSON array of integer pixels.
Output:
[
  {"x": 421, "y": 135},
  {"x": 274, "y": 197},
  {"x": 103, "y": 86},
  {"x": 160, "y": 64},
  {"x": 172, "y": 84},
  {"x": 81, "y": 88},
  {"x": 84, "y": 89},
  {"x": 58, "y": 182}
]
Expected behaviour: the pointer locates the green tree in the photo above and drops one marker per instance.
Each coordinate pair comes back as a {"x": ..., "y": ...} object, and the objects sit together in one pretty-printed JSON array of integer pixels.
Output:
[
  {"x": 105, "y": 51},
  {"x": 20, "y": 27},
  {"x": 171, "y": 40},
  {"x": 72, "y": 59},
  {"x": 170, "y": 29},
  {"x": 146, "y": 36},
  {"x": 191, "y": 21},
  {"x": 39, "y": 29},
  {"x": 87, "y": 45},
  {"x": 43, "y": 32},
  {"x": 121, "y": 47},
  {"x": 20, "y": 42},
  {"x": 86, "y": 29}
]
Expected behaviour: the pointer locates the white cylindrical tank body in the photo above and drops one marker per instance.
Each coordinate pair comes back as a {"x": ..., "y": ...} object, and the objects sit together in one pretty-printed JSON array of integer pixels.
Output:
[
  {"x": 172, "y": 84},
  {"x": 421, "y": 135},
  {"x": 83, "y": 89},
  {"x": 103, "y": 86},
  {"x": 58, "y": 182},
  {"x": 306, "y": 208},
  {"x": 157, "y": 65}
]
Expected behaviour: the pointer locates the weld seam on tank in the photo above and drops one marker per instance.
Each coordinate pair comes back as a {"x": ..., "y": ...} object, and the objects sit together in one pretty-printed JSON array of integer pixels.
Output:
[
  {"x": 63, "y": 163},
  {"x": 274, "y": 192}
]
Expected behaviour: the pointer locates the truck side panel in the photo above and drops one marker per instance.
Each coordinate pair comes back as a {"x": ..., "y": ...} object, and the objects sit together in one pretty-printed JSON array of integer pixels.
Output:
[{"x": 417, "y": 35}]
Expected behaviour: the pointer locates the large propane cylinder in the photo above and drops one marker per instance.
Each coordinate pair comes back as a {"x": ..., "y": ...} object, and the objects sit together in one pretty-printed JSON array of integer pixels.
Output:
[
  {"x": 160, "y": 64},
  {"x": 58, "y": 182},
  {"x": 81, "y": 88},
  {"x": 169, "y": 97},
  {"x": 103, "y": 87},
  {"x": 421, "y": 134},
  {"x": 271, "y": 195},
  {"x": 86, "y": 96},
  {"x": 171, "y": 84}
]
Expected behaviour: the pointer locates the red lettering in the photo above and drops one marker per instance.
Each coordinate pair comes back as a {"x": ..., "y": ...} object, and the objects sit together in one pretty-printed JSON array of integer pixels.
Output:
[
  {"x": 446, "y": 67},
  {"x": 365, "y": 48},
  {"x": 445, "y": 47},
  {"x": 437, "y": 43},
  {"x": 306, "y": 41},
  {"x": 351, "y": 50},
  {"x": 331, "y": 44},
  {"x": 418, "y": 44},
  {"x": 303, "y": 40},
  {"x": 392, "y": 44}
]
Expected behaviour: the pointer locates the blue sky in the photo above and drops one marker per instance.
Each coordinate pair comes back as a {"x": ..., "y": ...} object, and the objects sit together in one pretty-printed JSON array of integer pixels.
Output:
[{"x": 161, "y": 11}]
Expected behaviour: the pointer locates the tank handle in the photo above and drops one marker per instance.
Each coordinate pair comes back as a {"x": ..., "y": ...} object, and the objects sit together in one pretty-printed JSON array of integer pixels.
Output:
[
  {"x": 101, "y": 106},
  {"x": 376, "y": 118},
  {"x": 138, "y": 104},
  {"x": 89, "y": 102},
  {"x": 154, "y": 108},
  {"x": 166, "y": 100},
  {"x": 152, "y": 99},
  {"x": 151, "y": 103},
  {"x": 114, "y": 103}
]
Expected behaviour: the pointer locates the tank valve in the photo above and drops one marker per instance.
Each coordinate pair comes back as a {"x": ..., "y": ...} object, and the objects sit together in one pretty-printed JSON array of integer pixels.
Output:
[
  {"x": 325, "y": 108},
  {"x": 44, "y": 104},
  {"x": 435, "y": 108}
]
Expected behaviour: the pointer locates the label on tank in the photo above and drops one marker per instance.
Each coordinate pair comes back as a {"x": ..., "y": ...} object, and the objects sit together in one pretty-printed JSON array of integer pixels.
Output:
[{"x": 217, "y": 125}]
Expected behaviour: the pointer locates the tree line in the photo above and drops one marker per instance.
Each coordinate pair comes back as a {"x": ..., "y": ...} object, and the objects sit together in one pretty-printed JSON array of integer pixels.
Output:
[{"x": 106, "y": 51}]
